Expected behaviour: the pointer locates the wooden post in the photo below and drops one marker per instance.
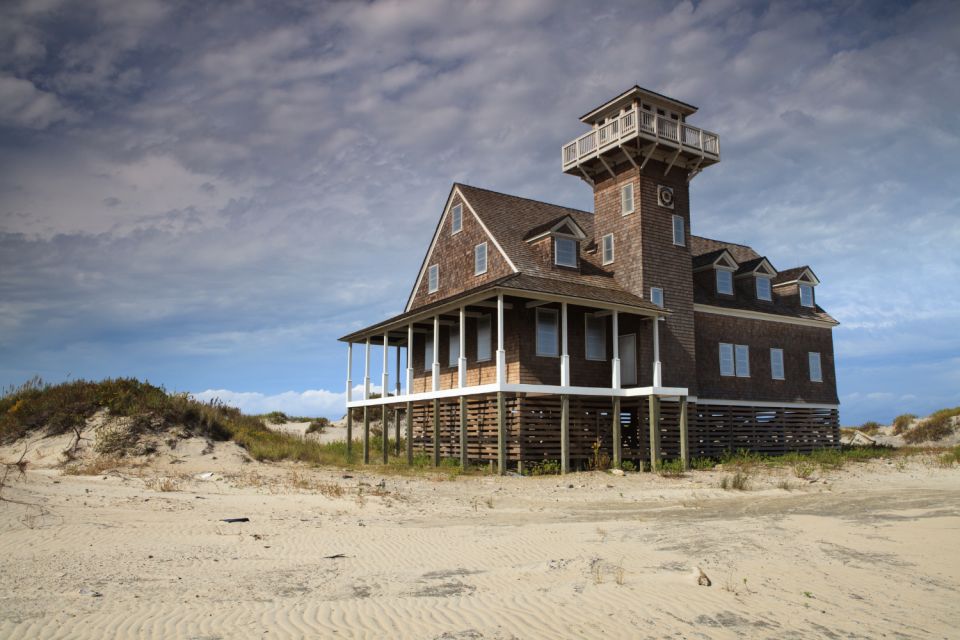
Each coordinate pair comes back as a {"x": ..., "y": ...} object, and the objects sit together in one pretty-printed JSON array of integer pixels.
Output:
[
  {"x": 501, "y": 433},
  {"x": 366, "y": 435},
  {"x": 684, "y": 436},
  {"x": 463, "y": 432},
  {"x": 396, "y": 431},
  {"x": 349, "y": 435},
  {"x": 384, "y": 412},
  {"x": 410, "y": 433},
  {"x": 564, "y": 433},
  {"x": 654, "y": 432},
  {"x": 617, "y": 438},
  {"x": 349, "y": 398},
  {"x": 436, "y": 433}
]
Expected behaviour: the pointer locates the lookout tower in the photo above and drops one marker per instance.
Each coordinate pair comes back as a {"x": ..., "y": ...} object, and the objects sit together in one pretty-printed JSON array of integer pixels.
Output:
[{"x": 637, "y": 126}]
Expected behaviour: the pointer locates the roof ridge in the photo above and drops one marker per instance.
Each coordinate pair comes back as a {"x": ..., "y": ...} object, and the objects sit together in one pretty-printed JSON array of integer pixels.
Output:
[
  {"x": 736, "y": 244},
  {"x": 510, "y": 195}
]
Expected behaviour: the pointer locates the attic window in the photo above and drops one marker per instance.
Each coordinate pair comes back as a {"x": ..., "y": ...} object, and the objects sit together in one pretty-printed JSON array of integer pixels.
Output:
[
  {"x": 456, "y": 222},
  {"x": 565, "y": 252},
  {"x": 763, "y": 288},
  {"x": 480, "y": 259},
  {"x": 806, "y": 295},
  {"x": 433, "y": 278},
  {"x": 725, "y": 282}
]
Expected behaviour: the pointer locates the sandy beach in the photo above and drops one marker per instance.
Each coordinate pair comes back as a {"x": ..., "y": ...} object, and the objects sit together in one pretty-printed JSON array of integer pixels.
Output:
[{"x": 867, "y": 551}]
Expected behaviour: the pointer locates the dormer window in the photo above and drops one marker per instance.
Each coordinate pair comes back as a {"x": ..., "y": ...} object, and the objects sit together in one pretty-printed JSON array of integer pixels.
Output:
[
  {"x": 806, "y": 295},
  {"x": 763, "y": 288},
  {"x": 456, "y": 219},
  {"x": 724, "y": 282},
  {"x": 565, "y": 252}
]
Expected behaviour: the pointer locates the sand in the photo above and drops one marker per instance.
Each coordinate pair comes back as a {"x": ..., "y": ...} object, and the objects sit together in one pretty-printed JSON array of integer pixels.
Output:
[{"x": 869, "y": 551}]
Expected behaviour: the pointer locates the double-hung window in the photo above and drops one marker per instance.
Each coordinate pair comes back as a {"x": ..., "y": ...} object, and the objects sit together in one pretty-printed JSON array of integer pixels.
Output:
[
  {"x": 678, "y": 231},
  {"x": 725, "y": 282},
  {"x": 566, "y": 252},
  {"x": 743, "y": 361},
  {"x": 763, "y": 288},
  {"x": 656, "y": 296},
  {"x": 428, "y": 353},
  {"x": 806, "y": 295},
  {"x": 596, "y": 347},
  {"x": 726, "y": 359},
  {"x": 483, "y": 338},
  {"x": 608, "y": 248},
  {"x": 456, "y": 219},
  {"x": 626, "y": 198},
  {"x": 734, "y": 360},
  {"x": 433, "y": 278},
  {"x": 480, "y": 259},
  {"x": 816, "y": 374},
  {"x": 776, "y": 364},
  {"x": 454, "y": 351},
  {"x": 547, "y": 332}
]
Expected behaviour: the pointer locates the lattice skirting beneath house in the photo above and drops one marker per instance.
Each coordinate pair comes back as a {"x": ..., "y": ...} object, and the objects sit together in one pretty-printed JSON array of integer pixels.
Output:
[{"x": 533, "y": 428}]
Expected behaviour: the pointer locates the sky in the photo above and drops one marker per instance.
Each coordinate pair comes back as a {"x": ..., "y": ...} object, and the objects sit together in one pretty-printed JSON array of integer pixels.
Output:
[{"x": 206, "y": 195}]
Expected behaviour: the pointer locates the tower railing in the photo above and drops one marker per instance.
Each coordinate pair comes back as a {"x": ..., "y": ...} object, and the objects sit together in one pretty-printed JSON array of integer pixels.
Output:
[{"x": 638, "y": 123}]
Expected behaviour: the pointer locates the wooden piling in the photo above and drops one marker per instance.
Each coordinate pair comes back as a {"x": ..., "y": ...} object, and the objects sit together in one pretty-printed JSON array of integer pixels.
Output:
[
  {"x": 386, "y": 434},
  {"x": 684, "y": 435},
  {"x": 654, "y": 432},
  {"x": 564, "y": 434},
  {"x": 436, "y": 433},
  {"x": 501, "y": 434},
  {"x": 463, "y": 432},
  {"x": 366, "y": 435},
  {"x": 410, "y": 433},
  {"x": 617, "y": 438}
]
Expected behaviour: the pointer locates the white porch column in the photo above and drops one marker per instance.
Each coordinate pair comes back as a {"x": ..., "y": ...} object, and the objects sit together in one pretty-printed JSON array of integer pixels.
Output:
[
  {"x": 409, "y": 358},
  {"x": 657, "y": 380},
  {"x": 564, "y": 354},
  {"x": 385, "y": 384},
  {"x": 501, "y": 353},
  {"x": 366, "y": 371},
  {"x": 462, "y": 360},
  {"x": 436, "y": 353},
  {"x": 349, "y": 371},
  {"x": 615, "y": 363}
]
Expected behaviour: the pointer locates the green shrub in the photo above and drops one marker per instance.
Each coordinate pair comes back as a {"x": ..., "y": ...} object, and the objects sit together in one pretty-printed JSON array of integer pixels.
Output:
[
  {"x": 276, "y": 417},
  {"x": 318, "y": 425},
  {"x": 902, "y": 422},
  {"x": 628, "y": 465},
  {"x": 545, "y": 468},
  {"x": 937, "y": 426},
  {"x": 671, "y": 469},
  {"x": 702, "y": 464},
  {"x": 870, "y": 427},
  {"x": 739, "y": 481}
]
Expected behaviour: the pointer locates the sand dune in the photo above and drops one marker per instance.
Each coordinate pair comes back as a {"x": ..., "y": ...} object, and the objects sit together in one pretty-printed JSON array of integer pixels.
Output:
[{"x": 864, "y": 552}]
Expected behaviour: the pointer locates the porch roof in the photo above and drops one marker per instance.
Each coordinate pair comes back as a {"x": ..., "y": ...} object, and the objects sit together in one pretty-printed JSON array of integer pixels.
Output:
[{"x": 521, "y": 285}]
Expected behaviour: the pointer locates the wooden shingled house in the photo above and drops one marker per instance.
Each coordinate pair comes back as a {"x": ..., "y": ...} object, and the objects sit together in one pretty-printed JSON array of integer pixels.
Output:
[{"x": 539, "y": 332}]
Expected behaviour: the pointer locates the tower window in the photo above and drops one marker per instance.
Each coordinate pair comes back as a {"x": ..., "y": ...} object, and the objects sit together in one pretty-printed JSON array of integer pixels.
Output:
[
  {"x": 763, "y": 288},
  {"x": 565, "y": 252},
  {"x": 725, "y": 282},
  {"x": 608, "y": 248},
  {"x": 456, "y": 219},
  {"x": 656, "y": 296},
  {"x": 678, "y": 231},
  {"x": 816, "y": 374},
  {"x": 626, "y": 198},
  {"x": 806, "y": 295},
  {"x": 433, "y": 278},
  {"x": 480, "y": 259}
]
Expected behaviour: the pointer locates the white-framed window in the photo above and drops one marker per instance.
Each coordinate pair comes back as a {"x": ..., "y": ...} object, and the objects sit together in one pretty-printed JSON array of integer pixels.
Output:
[
  {"x": 776, "y": 364},
  {"x": 480, "y": 259},
  {"x": 428, "y": 353},
  {"x": 763, "y": 288},
  {"x": 656, "y": 296},
  {"x": 456, "y": 219},
  {"x": 433, "y": 278},
  {"x": 454, "y": 350},
  {"x": 816, "y": 374},
  {"x": 725, "y": 281},
  {"x": 484, "y": 338},
  {"x": 678, "y": 231},
  {"x": 565, "y": 252},
  {"x": 596, "y": 337},
  {"x": 548, "y": 332},
  {"x": 743, "y": 361},
  {"x": 806, "y": 295},
  {"x": 626, "y": 198},
  {"x": 607, "y": 243},
  {"x": 726, "y": 359}
]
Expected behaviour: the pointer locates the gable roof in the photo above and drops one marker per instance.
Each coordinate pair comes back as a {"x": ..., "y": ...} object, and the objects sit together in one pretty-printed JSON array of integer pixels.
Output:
[
  {"x": 710, "y": 259},
  {"x": 757, "y": 264},
  {"x": 565, "y": 224},
  {"x": 796, "y": 273},
  {"x": 740, "y": 252}
]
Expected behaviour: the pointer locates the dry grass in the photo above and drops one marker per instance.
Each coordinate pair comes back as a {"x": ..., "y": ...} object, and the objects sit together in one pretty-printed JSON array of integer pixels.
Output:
[
  {"x": 937, "y": 426},
  {"x": 95, "y": 466},
  {"x": 902, "y": 422},
  {"x": 164, "y": 484},
  {"x": 739, "y": 481}
]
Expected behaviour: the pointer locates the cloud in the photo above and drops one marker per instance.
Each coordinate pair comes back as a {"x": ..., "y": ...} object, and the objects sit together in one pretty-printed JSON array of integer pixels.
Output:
[
  {"x": 311, "y": 403},
  {"x": 24, "y": 105}
]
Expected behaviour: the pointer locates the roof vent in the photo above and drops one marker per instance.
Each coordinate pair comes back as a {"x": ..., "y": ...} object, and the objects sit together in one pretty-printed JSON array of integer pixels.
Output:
[{"x": 665, "y": 196}]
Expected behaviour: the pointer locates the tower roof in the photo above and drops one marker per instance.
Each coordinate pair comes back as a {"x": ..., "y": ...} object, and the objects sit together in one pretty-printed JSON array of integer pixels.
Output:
[{"x": 633, "y": 93}]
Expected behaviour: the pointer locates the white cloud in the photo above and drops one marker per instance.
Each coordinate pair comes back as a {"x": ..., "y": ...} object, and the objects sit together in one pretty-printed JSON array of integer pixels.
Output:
[
  {"x": 312, "y": 403},
  {"x": 22, "y": 104}
]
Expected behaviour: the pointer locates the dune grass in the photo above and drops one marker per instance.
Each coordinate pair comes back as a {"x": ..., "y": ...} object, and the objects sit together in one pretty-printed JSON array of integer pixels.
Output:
[{"x": 936, "y": 426}]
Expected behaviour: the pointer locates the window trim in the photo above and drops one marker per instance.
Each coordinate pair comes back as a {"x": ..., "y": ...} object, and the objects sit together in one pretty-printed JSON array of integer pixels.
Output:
[
  {"x": 435, "y": 286},
  {"x": 486, "y": 254},
  {"x": 716, "y": 280},
  {"x": 556, "y": 317},
  {"x": 660, "y": 289},
  {"x": 587, "y": 317},
  {"x": 633, "y": 205},
  {"x": 808, "y": 287},
  {"x": 456, "y": 213},
  {"x": 733, "y": 364},
  {"x": 603, "y": 249},
  {"x": 773, "y": 369},
  {"x": 737, "y": 361},
  {"x": 683, "y": 231},
  {"x": 556, "y": 252},
  {"x": 819, "y": 360},
  {"x": 489, "y": 321},
  {"x": 769, "y": 291}
]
